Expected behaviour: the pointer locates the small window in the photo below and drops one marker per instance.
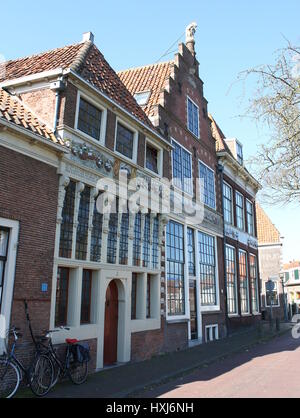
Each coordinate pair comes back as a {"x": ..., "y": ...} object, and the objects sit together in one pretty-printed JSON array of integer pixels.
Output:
[
  {"x": 89, "y": 119},
  {"x": 125, "y": 141},
  {"x": 239, "y": 153},
  {"x": 152, "y": 154},
  {"x": 193, "y": 118},
  {"x": 142, "y": 98}
]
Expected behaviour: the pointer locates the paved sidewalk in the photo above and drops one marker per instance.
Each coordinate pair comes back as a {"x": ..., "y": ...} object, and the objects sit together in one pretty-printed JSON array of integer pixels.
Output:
[{"x": 126, "y": 380}]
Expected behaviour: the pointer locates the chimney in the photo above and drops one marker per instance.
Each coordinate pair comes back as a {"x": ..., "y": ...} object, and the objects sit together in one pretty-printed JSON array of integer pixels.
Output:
[
  {"x": 88, "y": 36},
  {"x": 190, "y": 37}
]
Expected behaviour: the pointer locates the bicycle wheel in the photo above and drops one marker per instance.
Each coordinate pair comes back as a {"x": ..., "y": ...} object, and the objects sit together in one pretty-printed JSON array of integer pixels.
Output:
[
  {"x": 9, "y": 379},
  {"x": 78, "y": 372},
  {"x": 41, "y": 375}
]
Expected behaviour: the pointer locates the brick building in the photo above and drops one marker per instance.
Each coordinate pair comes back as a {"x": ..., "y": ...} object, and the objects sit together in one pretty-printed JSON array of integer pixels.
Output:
[
  {"x": 29, "y": 157},
  {"x": 241, "y": 268}
]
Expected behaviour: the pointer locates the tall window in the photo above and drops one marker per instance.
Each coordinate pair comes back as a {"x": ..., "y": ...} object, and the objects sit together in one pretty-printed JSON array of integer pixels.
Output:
[
  {"x": 112, "y": 238},
  {"x": 89, "y": 119},
  {"x": 193, "y": 117},
  {"x": 207, "y": 260},
  {"x": 137, "y": 240},
  {"x": 125, "y": 141},
  {"x": 175, "y": 269},
  {"x": 86, "y": 295},
  {"x": 191, "y": 251},
  {"x": 231, "y": 280},
  {"x": 4, "y": 237},
  {"x": 148, "y": 299},
  {"x": 254, "y": 283},
  {"x": 146, "y": 243},
  {"x": 207, "y": 192},
  {"x": 155, "y": 243},
  {"x": 182, "y": 169},
  {"x": 133, "y": 295},
  {"x": 250, "y": 217},
  {"x": 240, "y": 214},
  {"x": 227, "y": 196},
  {"x": 62, "y": 288},
  {"x": 66, "y": 231},
  {"x": 96, "y": 239},
  {"x": 83, "y": 225},
  {"x": 124, "y": 239},
  {"x": 244, "y": 282},
  {"x": 239, "y": 153}
]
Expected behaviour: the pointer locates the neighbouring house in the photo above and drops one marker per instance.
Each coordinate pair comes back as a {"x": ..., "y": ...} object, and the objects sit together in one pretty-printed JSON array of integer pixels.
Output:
[
  {"x": 291, "y": 275},
  {"x": 241, "y": 268},
  {"x": 270, "y": 262},
  {"x": 30, "y": 154}
]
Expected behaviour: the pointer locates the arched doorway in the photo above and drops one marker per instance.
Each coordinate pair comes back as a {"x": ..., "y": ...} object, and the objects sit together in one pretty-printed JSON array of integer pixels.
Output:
[{"x": 111, "y": 325}]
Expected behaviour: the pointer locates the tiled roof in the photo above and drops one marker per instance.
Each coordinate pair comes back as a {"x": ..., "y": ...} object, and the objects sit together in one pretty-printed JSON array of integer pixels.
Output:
[
  {"x": 267, "y": 233},
  {"x": 86, "y": 60},
  {"x": 149, "y": 78},
  {"x": 12, "y": 110},
  {"x": 218, "y": 136},
  {"x": 291, "y": 265}
]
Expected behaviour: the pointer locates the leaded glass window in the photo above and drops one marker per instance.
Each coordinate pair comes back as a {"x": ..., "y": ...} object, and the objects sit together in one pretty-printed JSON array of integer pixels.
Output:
[
  {"x": 146, "y": 243},
  {"x": 182, "y": 168},
  {"x": 96, "y": 236},
  {"x": 207, "y": 192},
  {"x": 125, "y": 141},
  {"x": 175, "y": 269},
  {"x": 83, "y": 225},
  {"x": 137, "y": 240},
  {"x": 244, "y": 282},
  {"x": 155, "y": 243},
  {"x": 148, "y": 298},
  {"x": 133, "y": 295},
  {"x": 207, "y": 260},
  {"x": 89, "y": 119},
  {"x": 112, "y": 238},
  {"x": 124, "y": 239},
  {"x": 66, "y": 231},
  {"x": 191, "y": 251},
  {"x": 231, "y": 276}
]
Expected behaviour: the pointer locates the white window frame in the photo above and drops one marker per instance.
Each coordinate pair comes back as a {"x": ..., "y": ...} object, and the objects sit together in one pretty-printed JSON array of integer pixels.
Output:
[
  {"x": 253, "y": 227},
  {"x": 232, "y": 205},
  {"x": 210, "y": 327},
  {"x": 159, "y": 158},
  {"x": 9, "y": 274},
  {"x": 236, "y": 313},
  {"x": 238, "y": 144},
  {"x": 248, "y": 287},
  {"x": 215, "y": 195},
  {"x": 100, "y": 107},
  {"x": 236, "y": 207},
  {"x": 135, "y": 140},
  {"x": 257, "y": 283},
  {"x": 173, "y": 184},
  {"x": 198, "y": 109}
]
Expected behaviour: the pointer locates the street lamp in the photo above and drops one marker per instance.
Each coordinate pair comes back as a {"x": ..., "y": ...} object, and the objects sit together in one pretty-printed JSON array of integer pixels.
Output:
[{"x": 284, "y": 299}]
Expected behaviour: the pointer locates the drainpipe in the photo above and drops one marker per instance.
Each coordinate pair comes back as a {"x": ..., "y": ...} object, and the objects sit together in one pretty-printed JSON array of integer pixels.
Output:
[
  {"x": 221, "y": 172},
  {"x": 58, "y": 87}
]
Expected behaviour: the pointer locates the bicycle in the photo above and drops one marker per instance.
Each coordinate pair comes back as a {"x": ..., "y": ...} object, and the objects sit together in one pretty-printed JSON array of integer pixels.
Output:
[
  {"x": 39, "y": 375},
  {"x": 76, "y": 371}
]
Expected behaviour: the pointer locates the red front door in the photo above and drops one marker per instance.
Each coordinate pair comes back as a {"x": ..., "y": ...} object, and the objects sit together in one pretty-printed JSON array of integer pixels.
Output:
[{"x": 111, "y": 325}]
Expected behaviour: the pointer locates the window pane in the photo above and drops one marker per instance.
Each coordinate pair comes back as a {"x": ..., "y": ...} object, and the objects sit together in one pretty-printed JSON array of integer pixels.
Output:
[
  {"x": 86, "y": 297},
  {"x": 244, "y": 285},
  {"x": 207, "y": 260},
  {"x": 231, "y": 280},
  {"x": 89, "y": 119},
  {"x": 175, "y": 269},
  {"x": 148, "y": 305},
  {"x": 83, "y": 225},
  {"x": 207, "y": 192},
  {"x": 124, "y": 144},
  {"x": 254, "y": 283},
  {"x": 152, "y": 158},
  {"x": 124, "y": 239},
  {"x": 250, "y": 220},
  {"x": 146, "y": 244},
  {"x": 240, "y": 219},
  {"x": 191, "y": 251},
  {"x": 96, "y": 239},
  {"x": 227, "y": 196},
  {"x": 182, "y": 169},
  {"x": 133, "y": 296},
  {"x": 112, "y": 238},
  {"x": 193, "y": 118},
  {"x": 66, "y": 231},
  {"x": 62, "y": 287},
  {"x": 137, "y": 240},
  {"x": 155, "y": 243}
]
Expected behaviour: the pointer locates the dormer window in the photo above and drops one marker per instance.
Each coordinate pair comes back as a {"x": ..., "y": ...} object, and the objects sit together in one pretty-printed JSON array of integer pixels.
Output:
[
  {"x": 239, "y": 153},
  {"x": 142, "y": 98}
]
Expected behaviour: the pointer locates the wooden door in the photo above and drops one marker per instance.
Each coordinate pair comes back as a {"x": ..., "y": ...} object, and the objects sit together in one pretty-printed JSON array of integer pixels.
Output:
[{"x": 111, "y": 325}]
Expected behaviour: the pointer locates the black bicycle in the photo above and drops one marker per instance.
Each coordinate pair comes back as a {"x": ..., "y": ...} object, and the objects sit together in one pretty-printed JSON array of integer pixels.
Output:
[
  {"x": 39, "y": 375},
  {"x": 70, "y": 365}
]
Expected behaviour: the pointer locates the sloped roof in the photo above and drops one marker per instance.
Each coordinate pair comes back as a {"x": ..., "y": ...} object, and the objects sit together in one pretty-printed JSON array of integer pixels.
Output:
[
  {"x": 150, "y": 78},
  {"x": 218, "y": 136},
  {"x": 13, "y": 110},
  {"x": 267, "y": 232},
  {"x": 87, "y": 61},
  {"x": 291, "y": 265}
]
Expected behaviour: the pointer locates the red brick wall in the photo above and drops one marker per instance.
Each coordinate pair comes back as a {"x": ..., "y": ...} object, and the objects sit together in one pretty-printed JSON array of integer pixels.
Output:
[
  {"x": 42, "y": 103},
  {"x": 28, "y": 194}
]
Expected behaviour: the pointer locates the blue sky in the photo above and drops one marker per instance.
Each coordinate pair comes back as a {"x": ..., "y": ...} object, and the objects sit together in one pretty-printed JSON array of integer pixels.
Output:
[{"x": 232, "y": 36}]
